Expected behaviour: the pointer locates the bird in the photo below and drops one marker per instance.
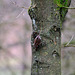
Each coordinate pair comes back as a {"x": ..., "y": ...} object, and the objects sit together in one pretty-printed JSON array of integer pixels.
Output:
[{"x": 37, "y": 41}]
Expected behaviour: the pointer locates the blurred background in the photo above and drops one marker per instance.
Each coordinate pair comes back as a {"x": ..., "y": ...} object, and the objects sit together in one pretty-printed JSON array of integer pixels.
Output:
[
  {"x": 68, "y": 43},
  {"x": 15, "y": 37}
]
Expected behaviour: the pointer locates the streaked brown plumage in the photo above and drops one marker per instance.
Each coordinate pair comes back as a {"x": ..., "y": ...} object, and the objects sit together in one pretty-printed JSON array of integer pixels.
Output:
[{"x": 37, "y": 41}]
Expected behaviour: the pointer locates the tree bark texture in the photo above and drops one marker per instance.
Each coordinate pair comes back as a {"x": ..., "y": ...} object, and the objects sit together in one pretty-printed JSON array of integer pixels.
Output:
[{"x": 46, "y": 22}]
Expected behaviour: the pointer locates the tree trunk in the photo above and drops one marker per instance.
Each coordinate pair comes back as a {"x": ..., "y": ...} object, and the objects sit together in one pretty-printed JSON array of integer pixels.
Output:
[{"x": 47, "y": 54}]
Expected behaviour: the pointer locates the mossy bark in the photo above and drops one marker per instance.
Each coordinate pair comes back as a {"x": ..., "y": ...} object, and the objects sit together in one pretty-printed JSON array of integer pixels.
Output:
[{"x": 47, "y": 58}]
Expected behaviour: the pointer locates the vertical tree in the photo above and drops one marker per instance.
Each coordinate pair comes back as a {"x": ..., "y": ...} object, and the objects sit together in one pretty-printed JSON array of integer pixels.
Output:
[
  {"x": 46, "y": 56},
  {"x": 46, "y": 18}
]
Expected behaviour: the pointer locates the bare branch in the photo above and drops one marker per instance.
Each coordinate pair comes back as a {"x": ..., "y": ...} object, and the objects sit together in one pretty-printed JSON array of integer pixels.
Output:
[
  {"x": 70, "y": 40},
  {"x": 22, "y": 6}
]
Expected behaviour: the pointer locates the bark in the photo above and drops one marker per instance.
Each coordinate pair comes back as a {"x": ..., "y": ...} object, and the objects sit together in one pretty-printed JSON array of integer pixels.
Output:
[{"x": 46, "y": 22}]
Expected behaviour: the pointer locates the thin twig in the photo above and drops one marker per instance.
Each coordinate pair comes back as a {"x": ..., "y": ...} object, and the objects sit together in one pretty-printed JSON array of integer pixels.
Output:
[
  {"x": 68, "y": 7},
  {"x": 22, "y": 6},
  {"x": 20, "y": 13},
  {"x": 69, "y": 40},
  {"x": 70, "y": 46},
  {"x": 18, "y": 5},
  {"x": 23, "y": 10}
]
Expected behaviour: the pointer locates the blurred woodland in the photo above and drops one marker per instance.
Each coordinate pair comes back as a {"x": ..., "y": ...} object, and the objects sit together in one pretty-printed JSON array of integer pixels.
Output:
[
  {"x": 15, "y": 37},
  {"x": 68, "y": 43}
]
